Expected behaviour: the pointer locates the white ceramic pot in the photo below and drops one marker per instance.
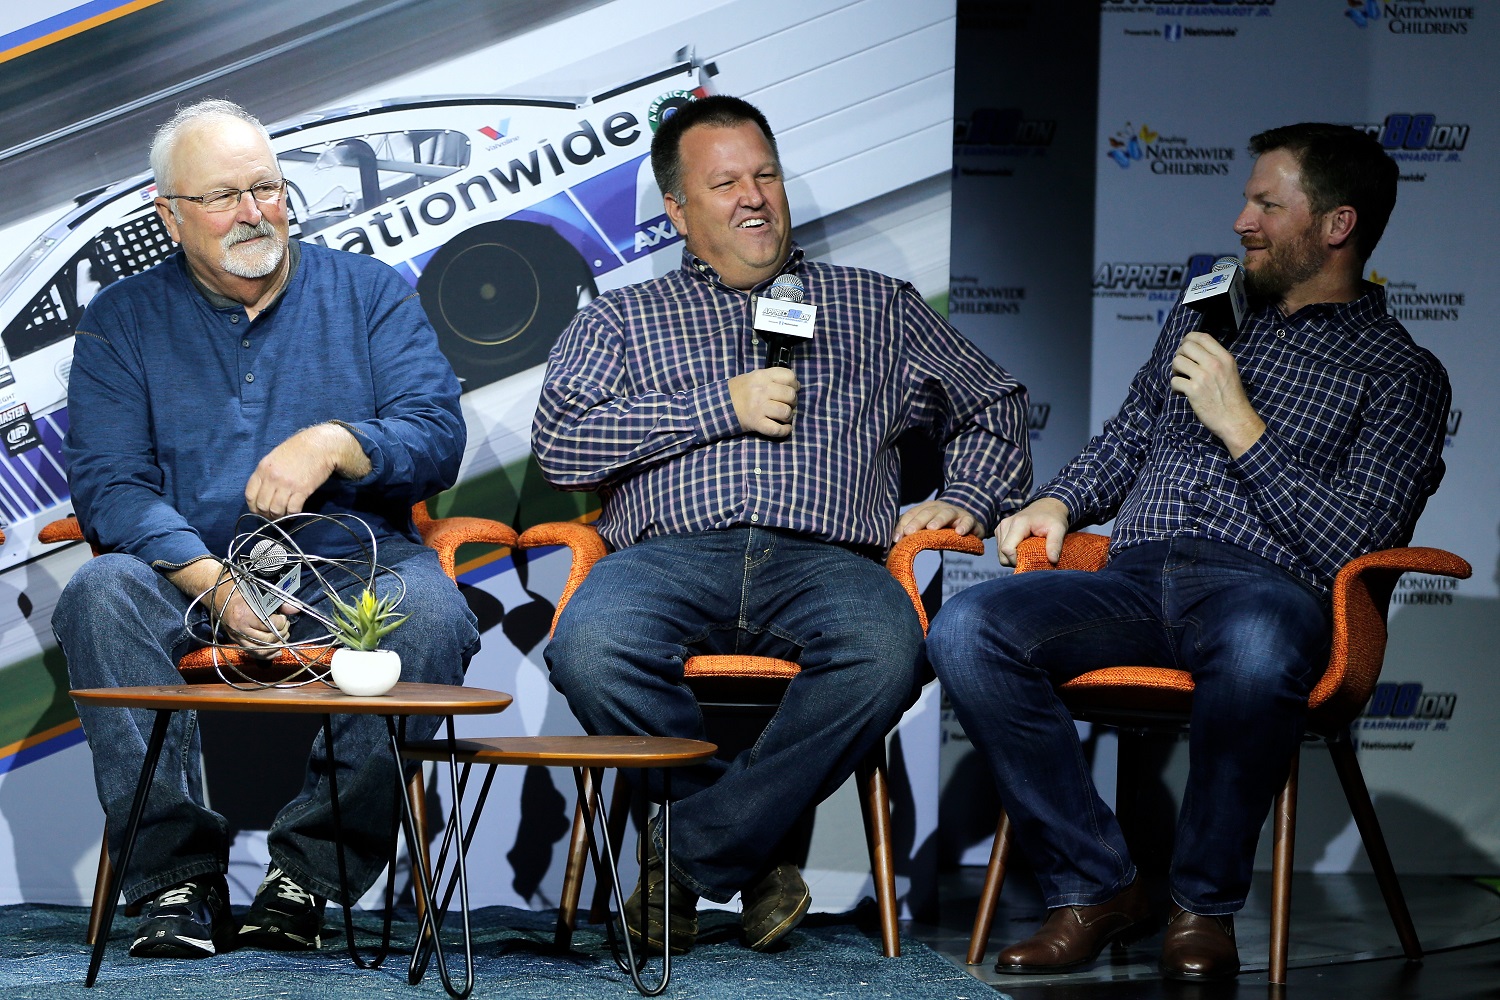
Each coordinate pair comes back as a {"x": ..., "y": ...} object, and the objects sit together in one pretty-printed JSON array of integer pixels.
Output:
[{"x": 365, "y": 673}]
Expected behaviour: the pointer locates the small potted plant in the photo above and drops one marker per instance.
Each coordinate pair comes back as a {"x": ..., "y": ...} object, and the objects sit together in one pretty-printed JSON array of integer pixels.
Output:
[{"x": 361, "y": 667}]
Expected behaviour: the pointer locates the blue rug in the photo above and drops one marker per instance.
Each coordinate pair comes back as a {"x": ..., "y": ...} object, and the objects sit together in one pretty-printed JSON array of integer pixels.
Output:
[{"x": 42, "y": 955}]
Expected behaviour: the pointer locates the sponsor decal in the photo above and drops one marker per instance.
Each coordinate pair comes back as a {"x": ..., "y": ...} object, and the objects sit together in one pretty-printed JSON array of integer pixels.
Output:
[
  {"x": 667, "y": 105},
  {"x": 1412, "y": 17},
  {"x": 18, "y": 429},
  {"x": 1114, "y": 277},
  {"x": 1418, "y": 589},
  {"x": 966, "y": 296},
  {"x": 498, "y": 134},
  {"x": 6, "y": 377},
  {"x": 1036, "y": 419},
  {"x": 499, "y": 131},
  {"x": 1418, "y": 138},
  {"x": 1167, "y": 154},
  {"x": 1406, "y": 708}
]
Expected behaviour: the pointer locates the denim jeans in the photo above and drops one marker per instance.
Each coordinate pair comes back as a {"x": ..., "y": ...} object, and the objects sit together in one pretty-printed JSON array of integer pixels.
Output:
[
  {"x": 120, "y": 623},
  {"x": 1253, "y": 637},
  {"x": 622, "y": 640}
]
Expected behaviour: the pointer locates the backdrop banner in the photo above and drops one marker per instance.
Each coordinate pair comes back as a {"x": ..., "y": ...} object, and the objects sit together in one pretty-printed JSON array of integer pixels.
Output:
[{"x": 507, "y": 207}]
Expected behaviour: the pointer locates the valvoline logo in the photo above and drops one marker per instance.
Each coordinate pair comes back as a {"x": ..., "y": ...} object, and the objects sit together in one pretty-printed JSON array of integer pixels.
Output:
[{"x": 499, "y": 131}]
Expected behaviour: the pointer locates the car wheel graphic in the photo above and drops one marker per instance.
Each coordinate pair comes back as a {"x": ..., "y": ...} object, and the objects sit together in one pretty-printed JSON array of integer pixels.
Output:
[{"x": 499, "y": 294}]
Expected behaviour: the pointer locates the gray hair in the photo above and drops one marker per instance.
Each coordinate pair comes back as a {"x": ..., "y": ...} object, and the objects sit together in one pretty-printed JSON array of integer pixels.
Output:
[{"x": 164, "y": 144}]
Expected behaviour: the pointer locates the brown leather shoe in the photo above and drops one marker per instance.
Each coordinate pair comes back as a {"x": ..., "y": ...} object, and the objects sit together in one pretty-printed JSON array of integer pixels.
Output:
[
  {"x": 1197, "y": 947},
  {"x": 1073, "y": 936}
]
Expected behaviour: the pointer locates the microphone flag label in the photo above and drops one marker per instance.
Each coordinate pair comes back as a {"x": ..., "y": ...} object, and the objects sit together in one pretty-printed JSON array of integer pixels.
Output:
[{"x": 794, "y": 319}]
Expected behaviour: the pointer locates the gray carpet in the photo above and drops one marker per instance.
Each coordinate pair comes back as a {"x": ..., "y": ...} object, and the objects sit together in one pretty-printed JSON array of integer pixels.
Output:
[{"x": 42, "y": 955}]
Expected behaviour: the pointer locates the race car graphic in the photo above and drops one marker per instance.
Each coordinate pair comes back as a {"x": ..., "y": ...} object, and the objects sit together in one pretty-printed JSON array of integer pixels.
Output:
[{"x": 506, "y": 214}]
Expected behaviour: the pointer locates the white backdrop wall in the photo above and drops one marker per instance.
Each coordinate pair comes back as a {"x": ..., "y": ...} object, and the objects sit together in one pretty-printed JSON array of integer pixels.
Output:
[{"x": 860, "y": 93}]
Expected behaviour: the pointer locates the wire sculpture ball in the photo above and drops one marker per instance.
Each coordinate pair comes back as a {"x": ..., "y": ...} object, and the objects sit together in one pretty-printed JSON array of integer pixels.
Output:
[{"x": 265, "y": 567}]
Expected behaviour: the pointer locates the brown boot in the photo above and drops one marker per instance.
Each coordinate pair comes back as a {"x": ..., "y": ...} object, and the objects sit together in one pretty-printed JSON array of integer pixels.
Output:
[
  {"x": 1073, "y": 936},
  {"x": 1199, "y": 947}
]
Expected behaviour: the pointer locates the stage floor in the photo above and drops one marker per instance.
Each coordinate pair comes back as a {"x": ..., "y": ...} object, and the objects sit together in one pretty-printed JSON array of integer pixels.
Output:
[{"x": 1342, "y": 943}]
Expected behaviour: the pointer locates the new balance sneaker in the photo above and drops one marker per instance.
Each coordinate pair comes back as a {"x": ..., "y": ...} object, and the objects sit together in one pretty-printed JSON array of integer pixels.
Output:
[
  {"x": 188, "y": 920},
  {"x": 284, "y": 916}
]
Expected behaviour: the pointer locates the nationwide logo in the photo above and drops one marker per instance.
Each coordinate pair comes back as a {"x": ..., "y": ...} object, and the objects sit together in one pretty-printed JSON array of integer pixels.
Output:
[
  {"x": 1177, "y": 32},
  {"x": 448, "y": 203},
  {"x": 967, "y": 297},
  {"x": 1166, "y": 154},
  {"x": 1407, "y": 707},
  {"x": 1418, "y": 138},
  {"x": 1414, "y": 17}
]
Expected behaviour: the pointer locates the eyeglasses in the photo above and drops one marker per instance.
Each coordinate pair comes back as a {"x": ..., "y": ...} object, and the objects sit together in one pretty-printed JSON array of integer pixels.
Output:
[{"x": 228, "y": 199}]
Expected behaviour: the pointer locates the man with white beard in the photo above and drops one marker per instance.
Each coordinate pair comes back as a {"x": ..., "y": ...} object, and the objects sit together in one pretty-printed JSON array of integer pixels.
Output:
[{"x": 248, "y": 374}]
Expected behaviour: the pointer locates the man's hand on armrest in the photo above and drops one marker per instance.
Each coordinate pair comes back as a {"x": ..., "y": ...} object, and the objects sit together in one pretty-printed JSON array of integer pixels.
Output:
[{"x": 1045, "y": 517}]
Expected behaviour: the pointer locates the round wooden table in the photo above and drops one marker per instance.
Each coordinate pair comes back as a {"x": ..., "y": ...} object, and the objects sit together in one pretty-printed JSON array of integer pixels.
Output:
[
  {"x": 588, "y": 756},
  {"x": 405, "y": 699}
]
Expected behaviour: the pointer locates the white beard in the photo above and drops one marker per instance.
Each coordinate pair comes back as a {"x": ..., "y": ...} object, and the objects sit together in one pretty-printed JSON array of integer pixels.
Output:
[{"x": 252, "y": 261}]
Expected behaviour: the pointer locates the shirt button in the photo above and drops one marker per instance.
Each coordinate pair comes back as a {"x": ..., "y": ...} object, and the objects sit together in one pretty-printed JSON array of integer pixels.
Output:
[
  {"x": 756, "y": 471},
  {"x": 249, "y": 376},
  {"x": 244, "y": 343},
  {"x": 1280, "y": 333},
  {"x": 755, "y": 517},
  {"x": 234, "y": 319}
]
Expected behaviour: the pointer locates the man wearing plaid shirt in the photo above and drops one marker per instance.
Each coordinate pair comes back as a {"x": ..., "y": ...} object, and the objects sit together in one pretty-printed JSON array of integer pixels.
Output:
[
  {"x": 749, "y": 508},
  {"x": 1241, "y": 475}
]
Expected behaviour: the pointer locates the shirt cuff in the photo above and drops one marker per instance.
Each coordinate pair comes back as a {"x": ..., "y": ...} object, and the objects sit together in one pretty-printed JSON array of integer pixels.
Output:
[
  {"x": 1261, "y": 464},
  {"x": 370, "y": 445},
  {"x": 713, "y": 411},
  {"x": 972, "y": 501},
  {"x": 1069, "y": 497}
]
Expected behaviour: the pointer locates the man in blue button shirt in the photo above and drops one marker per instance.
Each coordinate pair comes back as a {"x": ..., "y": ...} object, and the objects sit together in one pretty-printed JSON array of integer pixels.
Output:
[
  {"x": 247, "y": 374},
  {"x": 1241, "y": 475}
]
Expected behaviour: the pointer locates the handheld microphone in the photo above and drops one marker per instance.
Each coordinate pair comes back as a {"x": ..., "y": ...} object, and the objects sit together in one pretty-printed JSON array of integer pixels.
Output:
[
  {"x": 1219, "y": 297},
  {"x": 268, "y": 565},
  {"x": 782, "y": 320}
]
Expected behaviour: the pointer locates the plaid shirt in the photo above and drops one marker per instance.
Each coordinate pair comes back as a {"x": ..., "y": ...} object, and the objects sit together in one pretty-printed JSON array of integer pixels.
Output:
[
  {"x": 1355, "y": 417},
  {"x": 636, "y": 405}
]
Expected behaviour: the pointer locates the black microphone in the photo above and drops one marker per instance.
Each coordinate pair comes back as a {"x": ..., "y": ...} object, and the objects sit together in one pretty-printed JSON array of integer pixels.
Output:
[
  {"x": 779, "y": 346},
  {"x": 1219, "y": 297}
]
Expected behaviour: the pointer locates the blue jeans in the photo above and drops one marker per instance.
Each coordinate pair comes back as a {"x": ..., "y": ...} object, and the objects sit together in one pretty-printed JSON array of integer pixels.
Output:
[
  {"x": 623, "y": 638},
  {"x": 1253, "y": 637},
  {"x": 120, "y": 623}
]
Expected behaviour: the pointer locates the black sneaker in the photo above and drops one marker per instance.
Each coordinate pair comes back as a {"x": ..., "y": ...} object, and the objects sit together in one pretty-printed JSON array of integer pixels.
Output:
[
  {"x": 284, "y": 916},
  {"x": 189, "y": 920}
]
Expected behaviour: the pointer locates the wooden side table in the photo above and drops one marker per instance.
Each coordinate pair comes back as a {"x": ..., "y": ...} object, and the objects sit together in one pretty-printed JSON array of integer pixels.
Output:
[
  {"x": 588, "y": 756},
  {"x": 405, "y": 699}
]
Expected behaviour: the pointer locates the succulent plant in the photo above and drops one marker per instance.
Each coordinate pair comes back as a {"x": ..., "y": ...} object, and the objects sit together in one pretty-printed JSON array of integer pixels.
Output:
[{"x": 364, "y": 622}]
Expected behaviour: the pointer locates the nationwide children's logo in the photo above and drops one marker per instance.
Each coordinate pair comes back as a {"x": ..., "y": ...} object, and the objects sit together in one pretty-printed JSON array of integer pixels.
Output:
[
  {"x": 1130, "y": 144},
  {"x": 1412, "y": 17},
  {"x": 1166, "y": 154},
  {"x": 1410, "y": 303}
]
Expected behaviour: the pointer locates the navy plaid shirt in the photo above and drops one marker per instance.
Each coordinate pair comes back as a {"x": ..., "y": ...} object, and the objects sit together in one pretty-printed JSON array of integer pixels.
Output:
[
  {"x": 1355, "y": 418},
  {"x": 636, "y": 405}
]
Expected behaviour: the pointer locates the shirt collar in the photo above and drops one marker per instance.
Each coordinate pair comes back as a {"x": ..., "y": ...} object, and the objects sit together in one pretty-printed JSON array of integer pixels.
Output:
[
  {"x": 701, "y": 270},
  {"x": 217, "y": 301}
]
